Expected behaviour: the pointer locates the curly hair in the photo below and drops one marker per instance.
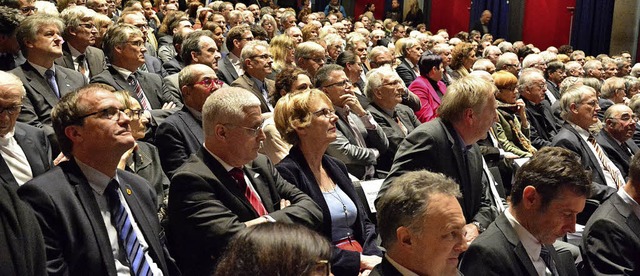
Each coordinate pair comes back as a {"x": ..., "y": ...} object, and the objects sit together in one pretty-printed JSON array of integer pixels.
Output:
[{"x": 459, "y": 53}]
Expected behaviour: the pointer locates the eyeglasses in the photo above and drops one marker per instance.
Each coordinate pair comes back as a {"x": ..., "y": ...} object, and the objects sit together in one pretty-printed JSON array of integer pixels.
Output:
[
  {"x": 626, "y": 118},
  {"x": 134, "y": 114},
  {"x": 209, "y": 82},
  {"x": 11, "y": 110},
  {"x": 393, "y": 83},
  {"x": 142, "y": 27},
  {"x": 28, "y": 9},
  {"x": 253, "y": 132},
  {"x": 318, "y": 60},
  {"x": 111, "y": 113},
  {"x": 138, "y": 43},
  {"x": 324, "y": 112},
  {"x": 88, "y": 25},
  {"x": 247, "y": 38},
  {"x": 265, "y": 56},
  {"x": 593, "y": 103},
  {"x": 339, "y": 84},
  {"x": 514, "y": 65}
]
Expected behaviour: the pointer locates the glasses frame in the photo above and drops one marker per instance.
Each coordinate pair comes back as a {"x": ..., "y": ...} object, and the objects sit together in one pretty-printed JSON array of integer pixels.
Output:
[
  {"x": 253, "y": 132},
  {"x": 107, "y": 113},
  {"x": 339, "y": 84},
  {"x": 212, "y": 83},
  {"x": 326, "y": 112}
]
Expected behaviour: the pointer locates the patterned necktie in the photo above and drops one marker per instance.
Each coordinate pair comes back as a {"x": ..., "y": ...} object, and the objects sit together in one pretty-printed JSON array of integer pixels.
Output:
[
  {"x": 238, "y": 175},
  {"x": 82, "y": 68},
  {"x": 546, "y": 257},
  {"x": 606, "y": 163},
  {"x": 126, "y": 234},
  {"x": 51, "y": 80},
  {"x": 524, "y": 141},
  {"x": 133, "y": 81}
]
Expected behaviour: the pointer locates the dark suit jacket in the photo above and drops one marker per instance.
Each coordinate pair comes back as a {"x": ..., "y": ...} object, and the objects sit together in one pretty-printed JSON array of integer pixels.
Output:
[
  {"x": 179, "y": 136},
  {"x": 429, "y": 99},
  {"x": 385, "y": 268},
  {"x": 604, "y": 105},
  {"x": 406, "y": 73},
  {"x": 499, "y": 251},
  {"x": 147, "y": 165},
  {"x": 543, "y": 124},
  {"x": 554, "y": 89},
  {"x": 478, "y": 27},
  {"x": 154, "y": 65},
  {"x": 36, "y": 148},
  {"x": 616, "y": 153},
  {"x": 170, "y": 86},
  {"x": 22, "y": 249},
  {"x": 228, "y": 73},
  {"x": 611, "y": 240},
  {"x": 245, "y": 82},
  {"x": 345, "y": 148},
  {"x": 75, "y": 235},
  {"x": 151, "y": 86},
  {"x": 434, "y": 146},
  {"x": 40, "y": 99},
  {"x": 392, "y": 130},
  {"x": 173, "y": 66},
  {"x": 94, "y": 57},
  {"x": 206, "y": 208},
  {"x": 295, "y": 169},
  {"x": 569, "y": 138}
]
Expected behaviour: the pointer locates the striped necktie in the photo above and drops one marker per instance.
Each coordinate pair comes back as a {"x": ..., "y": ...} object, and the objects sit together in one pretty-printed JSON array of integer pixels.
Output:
[
  {"x": 606, "y": 163},
  {"x": 126, "y": 234},
  {"x": 133, "y": 81}
]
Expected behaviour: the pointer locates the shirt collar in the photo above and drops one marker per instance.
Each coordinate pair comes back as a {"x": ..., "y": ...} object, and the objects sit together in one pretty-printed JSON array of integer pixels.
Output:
[
  {"x": 259, "y": 83},
  {"x": 635, "y": 207},
  {"x": 41, "y": 69},
  {"x": 97, "y": 180},
  {"x": 234, "y": 59},
  {"x": 581, "y": 131},
  {"x": 225, "y": 165},
  {"x": 529, "y": 242},
  {"x": 123, "y": 72},
  {"x": 74, "y": 52},
  {"x": 403, "y": 270}
]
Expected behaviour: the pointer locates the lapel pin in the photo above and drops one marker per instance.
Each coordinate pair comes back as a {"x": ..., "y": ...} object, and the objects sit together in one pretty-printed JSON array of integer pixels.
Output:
[
  {"x": 256, "y": 175},
  {"x": 128, "y": 191}
]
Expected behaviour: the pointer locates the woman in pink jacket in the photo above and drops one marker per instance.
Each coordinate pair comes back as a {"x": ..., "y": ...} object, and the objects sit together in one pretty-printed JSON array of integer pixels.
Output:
[{"x": 429, "y": 86}]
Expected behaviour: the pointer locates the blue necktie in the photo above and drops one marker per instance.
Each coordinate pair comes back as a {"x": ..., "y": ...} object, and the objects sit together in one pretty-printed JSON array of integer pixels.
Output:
[
  {"x": 51, "y": 79},
  {"x": 126, "y": 235}
]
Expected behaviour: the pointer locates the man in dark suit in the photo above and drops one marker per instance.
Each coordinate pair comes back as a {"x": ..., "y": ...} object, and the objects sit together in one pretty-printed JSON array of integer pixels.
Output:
[
  {"x": 615, "y": 137},
  {"x": 180, "y": 135},
  {"x": 44, "y": 81},
  {"x": 613, "y": 91},
  {"x": 123, "y": 47},
  {"x": 579, "y": 107},
  {"x": 231, "y": 66},
  {"x": 448, "y": 145},
  {"x": 256, "y": 62},
  {"x": 175, "y": 64},
  {"x": 151, "y": 64},
  {"x": 611, "y": 240},
  {"x": 408, "y": 70},
  {"x": 227, "y": 186},
  {"x": 10, "y": 56},
  {"x": 360, "y": 139},
  {"x": 25, "y": 151},
  {"x": 548, "y": 193},
  {"x": 554, "y": 75},
  {"x": 482, "y": 25},
  {"x": 385, "y": 90},
  {"x": 532, "y": 87},
  {"x": 84, "y": 205},
  {"x": 413, "y": 233},
  {"x": 79, "y": 35}
]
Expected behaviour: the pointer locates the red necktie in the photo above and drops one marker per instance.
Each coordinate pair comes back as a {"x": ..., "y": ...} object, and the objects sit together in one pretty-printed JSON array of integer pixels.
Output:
[{"x": 238, "y": 175}]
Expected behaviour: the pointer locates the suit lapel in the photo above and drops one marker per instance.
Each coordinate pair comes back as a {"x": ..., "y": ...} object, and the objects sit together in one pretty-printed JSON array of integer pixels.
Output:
[
  {"x": 121, "y": 83},
  {"x": 29, "y": 149},
  {"x": 505, "y": 227},
  {"x": 223, "y": 176},
  {"x": 152, "y": 96},
  {"x": 261, "y": 187},
  {"x": 6, "y": 175},
  {"x": 192, "y": 124},
  {"x": 64, "y": 86},
  {"x": 256, "y": 91},
  {"x": 66, "y": 59},
  {"x": 39, "y": 84},
  {"x": 460, "y": 165},
  {"x": 585, "y": 148}
]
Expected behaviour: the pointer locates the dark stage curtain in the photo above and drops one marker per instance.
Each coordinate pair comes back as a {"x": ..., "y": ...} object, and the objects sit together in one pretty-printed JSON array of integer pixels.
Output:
[
  {"x": 499, "y": 24},
  {"x": 592, "y": 26}
]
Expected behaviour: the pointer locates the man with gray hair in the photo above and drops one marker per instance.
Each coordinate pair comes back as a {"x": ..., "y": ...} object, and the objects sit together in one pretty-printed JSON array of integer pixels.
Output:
[
  {"x": 310, "y": 56},
  {"x": 574, "y": 69},
  {"x": 509, "y": 61},
  {"x": 534, "y": 61},
  {"x": 492, "y": 53},
  {"x": 25, "y": 150},
  {"x": 256, "y": 63},
  {"x": 228, "y": 185},
  {"x": 447, "y": 145},
  {"x": 579, "y": 108},
  {"x": 615, "y": 137},
  {"x": 444, "y": 50},
  {"x": 613, "y": 91},
  {"x": 484, "y": 64},
  {"x": 79, "y": 36},
  {"x": 414, "y": 215},
  {"x": 593, "y": 69},
  {"x": 532, "y": 87},
  {"x": 40, "y": 40},
  {"x": 578, "y": 56}
]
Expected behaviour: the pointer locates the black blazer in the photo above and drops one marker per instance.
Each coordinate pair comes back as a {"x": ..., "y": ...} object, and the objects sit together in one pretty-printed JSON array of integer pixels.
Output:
[
  {"x": 570, "y": 139},
  {"x": 173, "y": 66},
  {"x": 616, "y": 153},
  {"x": 384, "y": 268},
  {"x": 40, "y": 99},
  {"x": 147, "y": 165},
  {"x": 94, "y": 57},
  {"x": 206, "y": 208},
  {"x": 179, "y": 136},
  {"x": 75, "y": 235},
  {"x": 295, "y": 169},
  {"x": 499, "y": 251},
  {"x": 543, "y": 124},
  {"x": 406, "y": 72},
  {"x": 611, "y": 240},
  {"x": 228, "y": 73},
  {"x": 36, "y": 148},
  {"x": 433, "y": 146},
  {"x": 392, "y": 130}
]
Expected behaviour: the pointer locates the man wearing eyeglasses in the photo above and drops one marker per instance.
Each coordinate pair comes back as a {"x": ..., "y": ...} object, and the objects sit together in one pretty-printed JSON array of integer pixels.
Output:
[
  {"x": 613, "y": 91},
  {"x": 360, "y": 139},
  {"x": 310, "y": 56},
  {"x": 532, "y": 87},
  {"x": 124, "y": 47},
  {"x": 96, "y": 219},
  {"x": 79, "y": 36},
  {"x": 26, "y": 7},
  {"x": 256, "y": 62},
  {"x": 39, "y": 37},
  {"x": 25, "y": 151},
  {"x": 231, "y": 65},
  {"x": 509, "y": 62},
  {"x": 615, "y": 137},
  {"x": 227, "y": 186},
  {"x": 579, "y": 108}
]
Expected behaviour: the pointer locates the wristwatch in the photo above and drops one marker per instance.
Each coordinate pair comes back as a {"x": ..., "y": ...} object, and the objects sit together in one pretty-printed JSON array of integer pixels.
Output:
[{"x": 480, "y": 228}]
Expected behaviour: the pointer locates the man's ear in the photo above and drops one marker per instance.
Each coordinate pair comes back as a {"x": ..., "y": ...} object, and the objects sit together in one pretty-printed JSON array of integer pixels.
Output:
[
  {"x": 404, "y": 237},
  {"x": 530, "y": 197},
  {"x": 73, "y": 133},
  {"x": 220, "y": 132}
]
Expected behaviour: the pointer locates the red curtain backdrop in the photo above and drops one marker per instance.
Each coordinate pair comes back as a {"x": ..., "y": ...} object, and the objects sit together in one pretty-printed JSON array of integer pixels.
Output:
[
  {"x": 452, "y": 15},
  {"x": 547, "y": 22}
]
